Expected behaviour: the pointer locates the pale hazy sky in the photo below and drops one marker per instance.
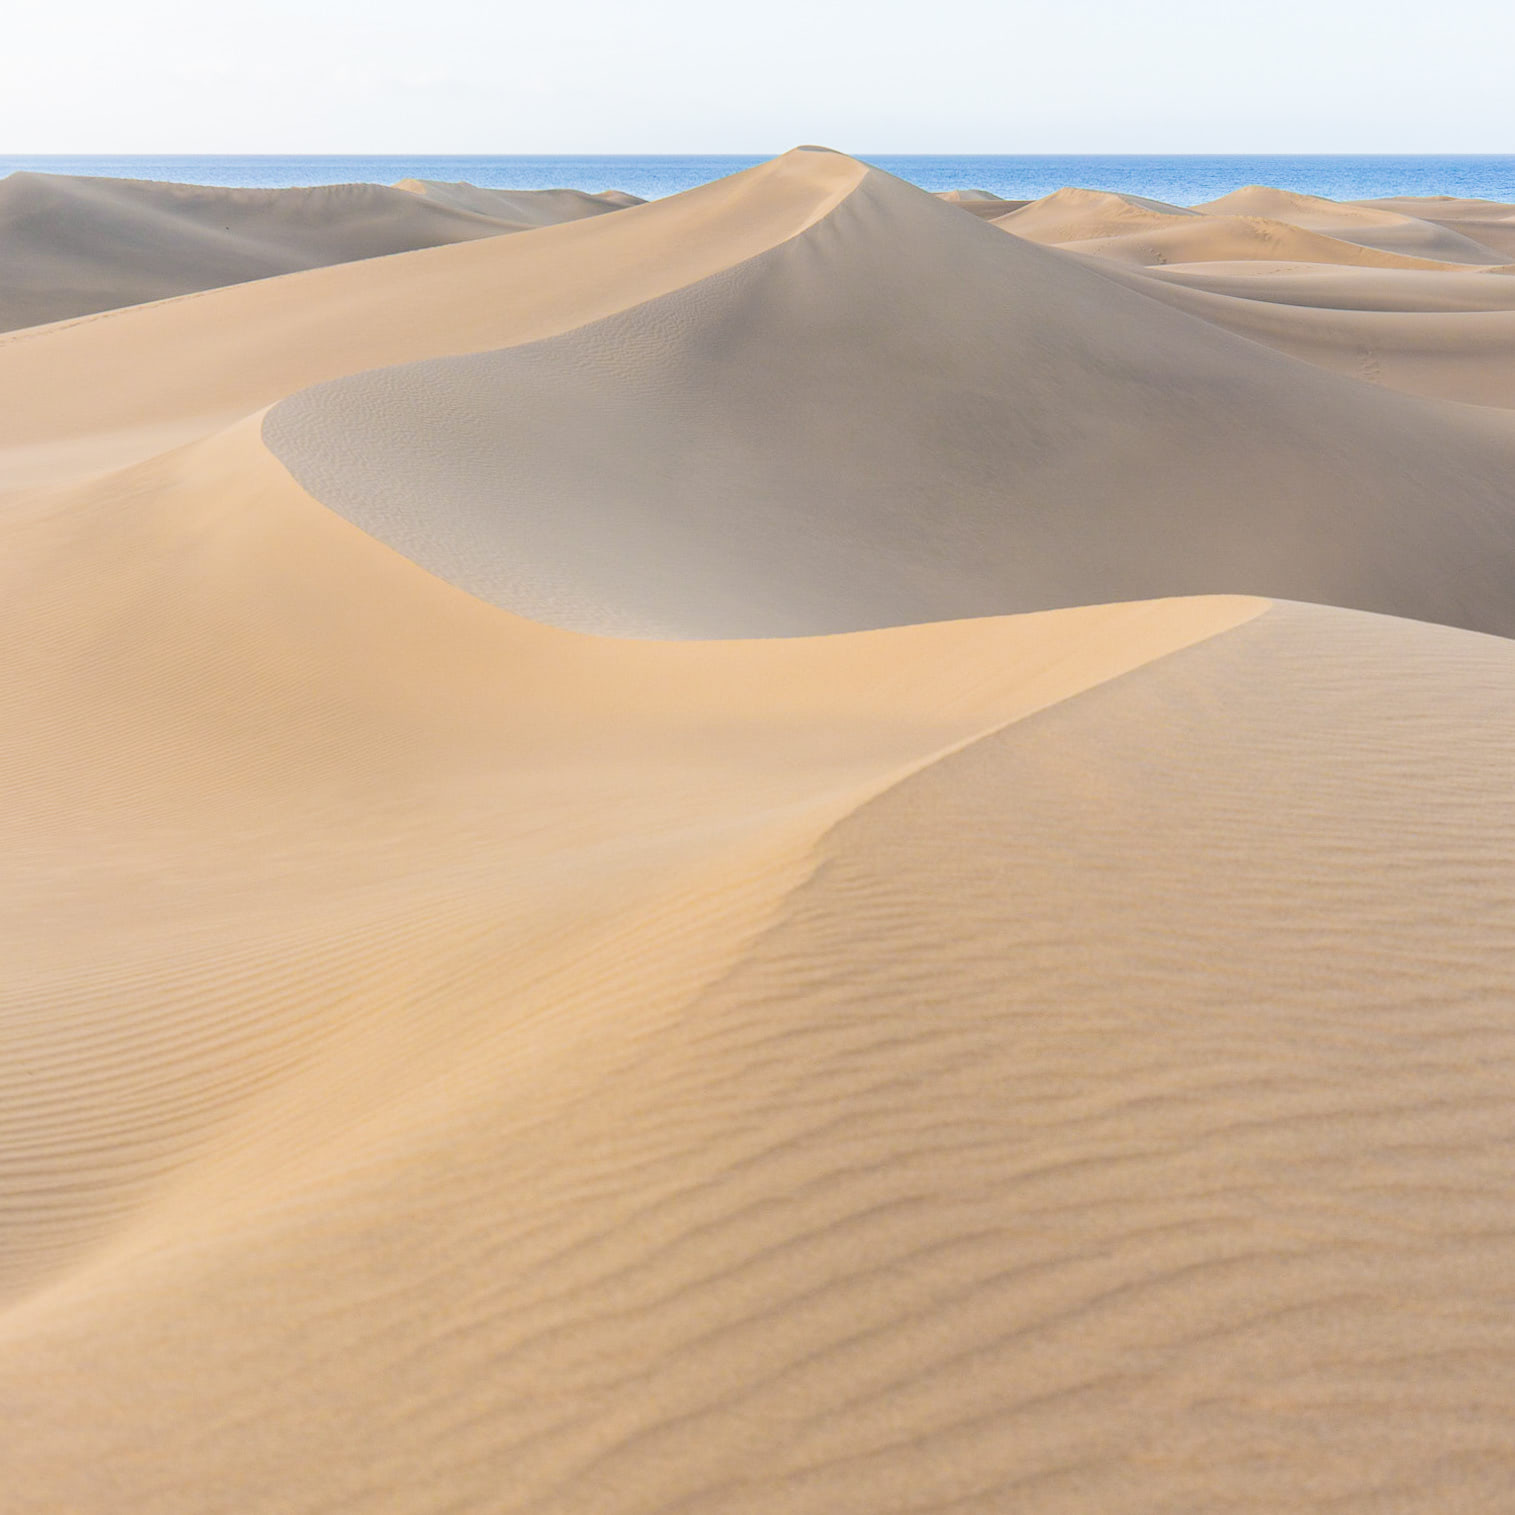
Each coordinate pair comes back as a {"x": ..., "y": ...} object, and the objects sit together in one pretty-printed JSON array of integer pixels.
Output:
[{"x": 101, "y": 76}]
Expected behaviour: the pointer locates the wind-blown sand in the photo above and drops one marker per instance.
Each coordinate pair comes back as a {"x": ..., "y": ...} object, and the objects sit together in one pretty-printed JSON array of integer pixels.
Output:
[{"x": 1052, "y": 1060}]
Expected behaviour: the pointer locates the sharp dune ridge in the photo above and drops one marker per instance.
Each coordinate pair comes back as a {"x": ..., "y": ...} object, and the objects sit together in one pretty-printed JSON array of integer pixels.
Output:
[{"x": 782, "y": 851}]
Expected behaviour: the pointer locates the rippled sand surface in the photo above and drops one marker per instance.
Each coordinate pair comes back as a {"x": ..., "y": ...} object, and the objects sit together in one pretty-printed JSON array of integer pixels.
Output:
[{"x": 785, "y": 851}]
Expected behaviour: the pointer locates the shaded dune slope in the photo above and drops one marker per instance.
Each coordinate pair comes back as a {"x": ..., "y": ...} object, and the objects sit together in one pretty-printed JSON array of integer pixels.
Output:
[{"x": 760, "y": 453}]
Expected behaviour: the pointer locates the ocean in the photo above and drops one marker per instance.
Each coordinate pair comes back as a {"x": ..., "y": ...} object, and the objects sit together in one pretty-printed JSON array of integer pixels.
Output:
[{"x": 1183, "y": 180}]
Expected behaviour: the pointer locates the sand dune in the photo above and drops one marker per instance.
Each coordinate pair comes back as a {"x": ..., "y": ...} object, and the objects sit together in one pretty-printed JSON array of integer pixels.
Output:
[
  {"x": 73, "y": 246},
  {"x": 520, "y": 207},
  {"x": 1434, "y": 335},
  {"x": 1146, "y": 232},
  {"x": 1046, "y": 1061},
  {"x": 1077, "y": 215},
  {"x": 1376, "y": 225},
  {"x": 1259, "y": 225},
  {"x": 980, "y": 202},
  {"x": 1233, "y": 239},
  {"x": 1486, "y": 222},
  {"x": 1012, "y": 444}
]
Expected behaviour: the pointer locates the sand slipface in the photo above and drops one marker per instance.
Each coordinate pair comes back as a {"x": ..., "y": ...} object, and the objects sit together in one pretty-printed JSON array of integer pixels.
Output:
[{"x": 1044, "y": 1046}]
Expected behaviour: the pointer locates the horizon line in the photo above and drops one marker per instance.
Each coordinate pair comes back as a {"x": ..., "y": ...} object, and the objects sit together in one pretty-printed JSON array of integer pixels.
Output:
[{"x": 760, "y": 155}]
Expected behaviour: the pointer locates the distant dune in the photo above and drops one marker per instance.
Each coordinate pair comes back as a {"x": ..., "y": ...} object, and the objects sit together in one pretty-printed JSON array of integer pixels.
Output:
[
  {"x": 980, "y": 202},
  {"x": 74, "y": 246},
  {"x": 1078, "y": 215},
  {"x": 1369, "y": 225},
  {"x": 1484, "y": 221},
  {"x": 1230, "y": 239},
  {"x": 1251, "y": 224},
  {"x": 521, "y": 208},
  {"x": 499, "y": 1014}
]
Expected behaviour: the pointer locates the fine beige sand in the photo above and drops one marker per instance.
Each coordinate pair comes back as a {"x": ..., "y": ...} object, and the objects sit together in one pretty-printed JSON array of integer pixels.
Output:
[{"x": 498, "y": 1013}]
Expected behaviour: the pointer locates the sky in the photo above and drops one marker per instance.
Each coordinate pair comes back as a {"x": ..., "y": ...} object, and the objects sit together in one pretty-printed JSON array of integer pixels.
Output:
[{"x": 674, "y": 76}]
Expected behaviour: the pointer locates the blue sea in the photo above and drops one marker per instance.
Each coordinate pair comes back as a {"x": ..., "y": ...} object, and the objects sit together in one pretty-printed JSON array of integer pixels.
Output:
[{"x": 1179, "y": 180}]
